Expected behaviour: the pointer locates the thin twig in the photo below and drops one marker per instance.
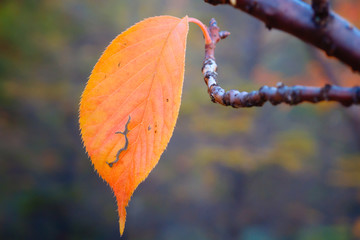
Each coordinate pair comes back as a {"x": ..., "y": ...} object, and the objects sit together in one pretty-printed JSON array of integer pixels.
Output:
[
  {"x": 338, "y": 38},
  {"x": 275, "y": 95}
]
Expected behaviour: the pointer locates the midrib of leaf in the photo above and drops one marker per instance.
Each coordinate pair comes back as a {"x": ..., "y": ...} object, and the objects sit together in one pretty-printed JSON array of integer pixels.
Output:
[{"x": 147, "y": 97}]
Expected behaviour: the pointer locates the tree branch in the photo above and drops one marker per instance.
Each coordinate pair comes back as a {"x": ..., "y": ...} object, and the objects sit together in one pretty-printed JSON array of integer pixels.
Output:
[
  {"x": 322, "y": 28},
  {"x": 275, "y": 95}
]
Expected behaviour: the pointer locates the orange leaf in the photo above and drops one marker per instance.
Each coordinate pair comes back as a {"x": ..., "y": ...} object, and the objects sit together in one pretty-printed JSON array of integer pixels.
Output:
[{"x": 135, "y": 88}]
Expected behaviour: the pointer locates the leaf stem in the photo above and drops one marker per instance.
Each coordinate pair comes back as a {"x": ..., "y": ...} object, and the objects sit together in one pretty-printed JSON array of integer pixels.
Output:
[{"x": 203, "y": 29}]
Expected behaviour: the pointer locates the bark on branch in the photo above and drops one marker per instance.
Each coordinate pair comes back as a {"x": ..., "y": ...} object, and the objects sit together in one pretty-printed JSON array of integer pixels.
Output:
[
  {"x": 322, "y": 28},
  {"x": 275, "y": 95}
]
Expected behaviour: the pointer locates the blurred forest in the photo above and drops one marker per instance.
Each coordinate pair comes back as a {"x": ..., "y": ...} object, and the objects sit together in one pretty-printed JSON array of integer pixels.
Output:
[{"x": 253, "y": 174}]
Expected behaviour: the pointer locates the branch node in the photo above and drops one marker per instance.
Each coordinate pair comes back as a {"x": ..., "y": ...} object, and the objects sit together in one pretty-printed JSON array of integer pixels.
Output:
[
  {"x": 268, "y": 26},
  {"x": 321, "y": 15},
  {"x": 251, "y": 7},
  {"x": 224, "y": 34},
  {"x": 325, "y": 92}
]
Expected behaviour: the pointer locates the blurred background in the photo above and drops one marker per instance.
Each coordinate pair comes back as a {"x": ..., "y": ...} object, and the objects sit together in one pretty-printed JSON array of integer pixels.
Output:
[{"x": 254, "y": 174}]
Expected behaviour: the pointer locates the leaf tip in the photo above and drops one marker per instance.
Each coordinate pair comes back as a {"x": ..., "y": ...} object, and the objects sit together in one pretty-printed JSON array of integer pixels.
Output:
[{"x": 122, "y": 219}]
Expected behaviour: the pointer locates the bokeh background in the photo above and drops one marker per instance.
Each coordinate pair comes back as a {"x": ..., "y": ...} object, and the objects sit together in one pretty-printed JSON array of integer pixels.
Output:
[{"x": 254, "y": 174}]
